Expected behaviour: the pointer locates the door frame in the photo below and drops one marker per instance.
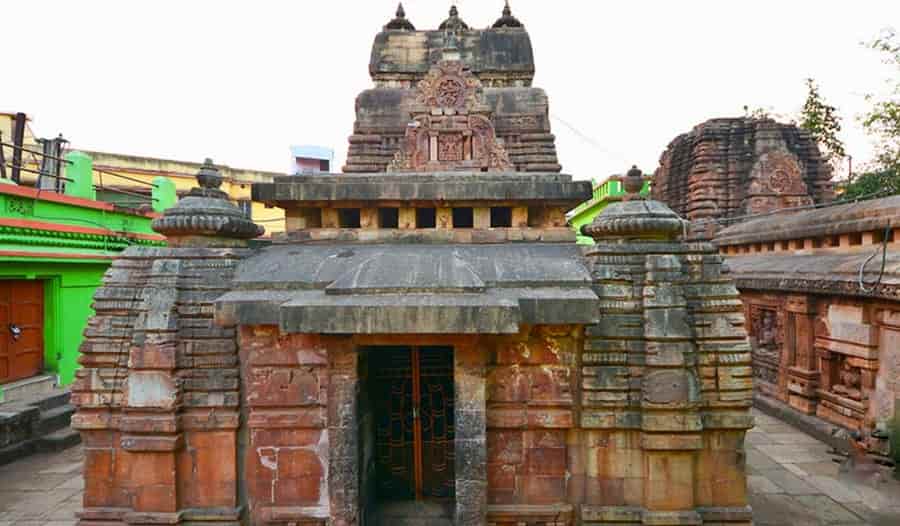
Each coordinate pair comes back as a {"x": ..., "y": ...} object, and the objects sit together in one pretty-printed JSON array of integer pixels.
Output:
[
  {"x": 415, "y": 378},
  {"x": 470, "y": 421}
]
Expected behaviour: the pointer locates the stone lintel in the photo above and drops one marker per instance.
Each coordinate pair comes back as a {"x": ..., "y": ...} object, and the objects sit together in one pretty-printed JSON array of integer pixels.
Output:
[
  {"x": 401, "y": 314},
  {"x": 441, "y": 187}
]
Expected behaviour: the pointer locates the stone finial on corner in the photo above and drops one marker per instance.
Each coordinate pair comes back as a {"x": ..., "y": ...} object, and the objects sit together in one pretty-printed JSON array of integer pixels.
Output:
[
  {"x": 400, "y": 23},
  {"x": 205, "y": 216},
  {"x": 635, "y": 218},
  {"x": 633, "y": 183},
  {"x": 453, "y": 22},
  {"x": 507, "y": 20}
]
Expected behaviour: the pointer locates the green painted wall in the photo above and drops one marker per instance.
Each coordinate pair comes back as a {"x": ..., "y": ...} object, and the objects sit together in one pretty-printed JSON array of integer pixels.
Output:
[
  {"x": 605, "y": 193},
  {"x": 71, "y": 264},
  {"x": 68, "y": 293}
]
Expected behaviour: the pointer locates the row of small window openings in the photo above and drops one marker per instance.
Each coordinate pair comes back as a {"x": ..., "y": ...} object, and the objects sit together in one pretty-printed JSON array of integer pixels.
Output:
[
  {"x": 501, "y": 217},
  {"x": 853, "y": 239}
]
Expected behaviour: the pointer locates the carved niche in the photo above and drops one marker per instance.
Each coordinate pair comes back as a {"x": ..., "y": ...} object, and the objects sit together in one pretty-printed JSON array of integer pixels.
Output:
[
  {"x": 767, "y": 338},
  {"x": 776, "y": 182},
  {"x": 451, "y": 127},
  {"x": 848, "y": 379}
]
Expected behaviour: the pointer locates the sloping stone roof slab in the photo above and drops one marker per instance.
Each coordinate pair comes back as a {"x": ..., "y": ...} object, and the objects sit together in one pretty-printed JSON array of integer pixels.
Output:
[{"x": 437, "y": 289}]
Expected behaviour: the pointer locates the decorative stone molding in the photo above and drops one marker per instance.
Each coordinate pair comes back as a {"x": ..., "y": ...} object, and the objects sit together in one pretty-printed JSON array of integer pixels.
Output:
[
  {"x": 206, "y": 212},
  {"x": 666, "y": 371}
]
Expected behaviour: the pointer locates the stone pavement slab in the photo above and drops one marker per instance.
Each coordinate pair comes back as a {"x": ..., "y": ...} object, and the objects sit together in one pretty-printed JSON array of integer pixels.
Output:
[
  {"x": 796, "y": 481},
  {"x": 793, "y": 481}
]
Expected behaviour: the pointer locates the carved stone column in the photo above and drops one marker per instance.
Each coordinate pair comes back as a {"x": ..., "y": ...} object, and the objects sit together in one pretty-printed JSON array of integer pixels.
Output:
[{"x": 802, "y": 374}]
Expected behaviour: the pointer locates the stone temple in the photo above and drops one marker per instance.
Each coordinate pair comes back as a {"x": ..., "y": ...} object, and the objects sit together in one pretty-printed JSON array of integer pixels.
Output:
[
  {"x": 426, "y": 344},
  {"x": 725, "y": 170}
]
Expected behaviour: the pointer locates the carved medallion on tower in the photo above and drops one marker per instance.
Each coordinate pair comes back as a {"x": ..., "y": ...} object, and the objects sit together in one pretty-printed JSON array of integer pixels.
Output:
[
  {"x": 450, "y": 126},
  {"x": 776, "y": 182}
]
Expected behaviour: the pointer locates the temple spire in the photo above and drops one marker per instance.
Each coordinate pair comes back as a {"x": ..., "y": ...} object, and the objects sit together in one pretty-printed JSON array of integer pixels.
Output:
[
  {"x": 507, "y": 20},
  {"x": 400, "y": 23},
  {"x": 453, "y": 22}
]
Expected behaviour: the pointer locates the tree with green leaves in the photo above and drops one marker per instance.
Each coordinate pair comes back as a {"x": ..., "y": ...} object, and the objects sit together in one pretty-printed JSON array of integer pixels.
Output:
[
  {"x": 882, "y": 122},
  {"x": 823, "y": 123}
]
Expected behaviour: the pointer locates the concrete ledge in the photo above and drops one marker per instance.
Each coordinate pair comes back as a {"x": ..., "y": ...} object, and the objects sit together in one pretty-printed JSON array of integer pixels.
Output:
[{"x": 835, "y": 436}]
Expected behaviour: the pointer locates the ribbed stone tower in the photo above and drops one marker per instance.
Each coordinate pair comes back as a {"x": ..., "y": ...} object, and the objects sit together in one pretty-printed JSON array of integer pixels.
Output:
[
  {"x": 158, "y": 391},
  {"x": 666, "y": 374}
]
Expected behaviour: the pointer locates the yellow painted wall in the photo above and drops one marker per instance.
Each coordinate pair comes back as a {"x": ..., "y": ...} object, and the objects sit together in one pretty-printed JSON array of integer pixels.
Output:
[{"x": 237, "y": 181}]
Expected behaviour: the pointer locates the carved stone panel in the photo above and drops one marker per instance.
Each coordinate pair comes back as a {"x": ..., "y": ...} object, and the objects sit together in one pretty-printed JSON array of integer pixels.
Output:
[
  {"x": 767, "y": 338},
  {"x": 451, "y": 127}
]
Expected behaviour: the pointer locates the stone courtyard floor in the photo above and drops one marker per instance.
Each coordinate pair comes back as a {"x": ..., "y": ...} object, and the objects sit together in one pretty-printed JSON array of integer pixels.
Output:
[{"x": 793, "y": 481}]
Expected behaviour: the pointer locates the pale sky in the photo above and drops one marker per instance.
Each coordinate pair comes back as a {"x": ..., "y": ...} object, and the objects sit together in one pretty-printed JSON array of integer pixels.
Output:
[{"x": 241, "y": 81}]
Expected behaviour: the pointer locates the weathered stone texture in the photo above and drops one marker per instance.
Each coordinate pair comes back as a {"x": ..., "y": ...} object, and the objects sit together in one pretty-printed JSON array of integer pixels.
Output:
[
  {"x": 728, "y": 168},
  {"x": 402, "y": 63},
  {"x": 530, "y": 410},
  {"x": 285, "y": 393},
  {"x": 666, "y": 382},
  {"x": 822, "y": 295},
  {"x": 157, "y": 395}
]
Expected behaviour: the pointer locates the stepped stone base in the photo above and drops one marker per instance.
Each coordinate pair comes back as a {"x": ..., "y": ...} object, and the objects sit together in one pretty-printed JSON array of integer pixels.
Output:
[
  {"x": 38, "y": 422},
  {"x": 26, "y": 389}
]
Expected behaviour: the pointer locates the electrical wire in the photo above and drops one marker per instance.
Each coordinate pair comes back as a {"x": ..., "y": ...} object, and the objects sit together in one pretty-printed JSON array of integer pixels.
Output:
[{"x": 862, "y": 268}]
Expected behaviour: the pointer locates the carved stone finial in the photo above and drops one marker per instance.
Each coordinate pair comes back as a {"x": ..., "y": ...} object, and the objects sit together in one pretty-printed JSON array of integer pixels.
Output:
[
  {"x": 507, "y": 20},
  {"x": 453, "y": 22},
  {"x": 400, "y": 23},
  {"x": 208, "y": 177},
  {"x": 205, "y": 216},
  {"x": 634, "y": 218},
  {"x": 633, "y": 183}
]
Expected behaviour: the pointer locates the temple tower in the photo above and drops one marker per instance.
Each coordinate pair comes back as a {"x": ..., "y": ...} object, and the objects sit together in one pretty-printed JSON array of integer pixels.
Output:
[{"x": 426, "y": 344}]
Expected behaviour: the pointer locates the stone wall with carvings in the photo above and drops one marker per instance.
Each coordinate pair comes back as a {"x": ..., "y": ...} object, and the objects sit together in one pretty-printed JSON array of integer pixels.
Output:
[
  {"x": 727, "y": 168},
  {"x": 820, "y": 291},
  {"x": 834, "y": 357}
]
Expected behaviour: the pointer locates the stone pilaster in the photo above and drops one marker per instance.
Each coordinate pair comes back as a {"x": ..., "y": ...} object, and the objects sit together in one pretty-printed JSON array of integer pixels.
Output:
[
  {"x": 470, "y": 370},
  {"x": 343, "y": 434}
]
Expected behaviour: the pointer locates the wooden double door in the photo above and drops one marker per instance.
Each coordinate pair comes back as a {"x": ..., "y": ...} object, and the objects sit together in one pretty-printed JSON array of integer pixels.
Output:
[
  {"x": 21, "y": 329},
  {"x": 412, "y": 400}
]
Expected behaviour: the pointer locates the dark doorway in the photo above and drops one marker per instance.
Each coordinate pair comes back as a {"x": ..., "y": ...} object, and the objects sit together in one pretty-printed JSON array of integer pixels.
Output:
[{"x": 411, "y": 397}]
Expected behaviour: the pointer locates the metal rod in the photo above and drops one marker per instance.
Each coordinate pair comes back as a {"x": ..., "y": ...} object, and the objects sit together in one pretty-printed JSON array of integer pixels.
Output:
[
  {"x": 38, "y": 172},
  {"x": 2, "y": 158},
  {"x": 26, "y": 150},
  {"x": 114, "y": 174},
  {"x": 18, "y": 140},
  {"x": 123, "y": 192}
]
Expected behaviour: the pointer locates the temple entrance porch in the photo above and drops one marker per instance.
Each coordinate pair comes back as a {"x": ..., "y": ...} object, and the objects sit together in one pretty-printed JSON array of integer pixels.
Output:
[{"x": 406, "y": 411}]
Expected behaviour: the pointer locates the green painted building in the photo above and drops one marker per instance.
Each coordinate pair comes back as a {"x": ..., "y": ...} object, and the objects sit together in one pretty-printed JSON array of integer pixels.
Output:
[
  {"x": 54, "y": 250},
  {"x": 609, "y": 191}
]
